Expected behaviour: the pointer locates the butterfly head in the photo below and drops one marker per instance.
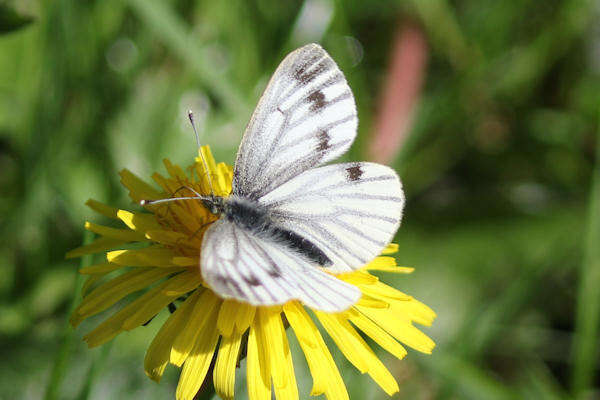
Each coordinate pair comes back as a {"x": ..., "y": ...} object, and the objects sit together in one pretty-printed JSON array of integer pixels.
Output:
[{"x": 214, "y": 204}]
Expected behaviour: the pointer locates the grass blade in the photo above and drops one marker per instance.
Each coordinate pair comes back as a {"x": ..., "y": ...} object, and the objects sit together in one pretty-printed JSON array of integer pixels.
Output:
[
  {"x": 61, "y": 362},
  {"x": 95, "y": 368},
  {"x": 585, "y": 347}
]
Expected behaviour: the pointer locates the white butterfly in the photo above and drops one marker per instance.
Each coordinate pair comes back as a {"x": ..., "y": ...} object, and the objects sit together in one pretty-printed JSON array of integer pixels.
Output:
[{"x": 288, "y": 226}]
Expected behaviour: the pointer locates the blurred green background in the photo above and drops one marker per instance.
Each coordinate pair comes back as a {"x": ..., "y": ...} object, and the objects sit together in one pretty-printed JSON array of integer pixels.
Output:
[{"x": 494, "y": 137}]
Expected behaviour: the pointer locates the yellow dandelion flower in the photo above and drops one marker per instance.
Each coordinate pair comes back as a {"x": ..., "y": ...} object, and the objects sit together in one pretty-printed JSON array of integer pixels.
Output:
[{"x": 157, "y": 252}]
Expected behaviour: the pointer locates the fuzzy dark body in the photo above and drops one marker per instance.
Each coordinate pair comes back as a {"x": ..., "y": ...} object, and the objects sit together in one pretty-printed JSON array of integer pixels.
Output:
[{"x": 255, "y": 218}]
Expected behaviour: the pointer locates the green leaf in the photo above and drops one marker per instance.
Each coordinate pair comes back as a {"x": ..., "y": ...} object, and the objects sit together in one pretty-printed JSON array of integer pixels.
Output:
[{"x": 587, "y": 323}]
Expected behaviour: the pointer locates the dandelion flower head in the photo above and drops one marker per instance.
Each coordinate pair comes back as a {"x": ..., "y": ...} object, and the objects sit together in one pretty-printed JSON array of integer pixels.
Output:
[{"x": 155, "y": 254}]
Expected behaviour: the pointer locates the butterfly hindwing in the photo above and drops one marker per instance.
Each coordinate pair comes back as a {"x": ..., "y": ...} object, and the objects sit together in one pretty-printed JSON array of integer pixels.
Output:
[
  {"x": 349, "y": 211},
  {"x": 289, "y": 220},
  {"x": 236, "y": 263},
  {"x": 305, "y": 117}
]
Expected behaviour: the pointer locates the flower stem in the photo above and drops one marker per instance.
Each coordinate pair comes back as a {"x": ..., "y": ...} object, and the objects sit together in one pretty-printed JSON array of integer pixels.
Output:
[
  {"x": 96, "y": 366},
  {"x": 588, "y": 299}
]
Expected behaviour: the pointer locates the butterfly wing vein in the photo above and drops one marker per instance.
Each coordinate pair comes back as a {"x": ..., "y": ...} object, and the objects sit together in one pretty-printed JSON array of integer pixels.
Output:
[
  {"x": 305, "y": 118},
  {"x": 248, "y": 268}
]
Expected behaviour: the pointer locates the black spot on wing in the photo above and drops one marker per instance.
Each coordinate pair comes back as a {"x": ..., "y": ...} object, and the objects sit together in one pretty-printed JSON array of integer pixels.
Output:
[
  {"x": 274, "y": 272},
  {"x": 251, "y": 280},
  {"x": 323, "y": 138},
  {"x": 354, "y": 173},
  {"x": 317, "y": 98}
]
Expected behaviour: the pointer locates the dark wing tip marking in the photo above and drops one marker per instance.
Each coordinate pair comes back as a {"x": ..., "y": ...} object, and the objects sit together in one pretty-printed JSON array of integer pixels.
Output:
[
  {"x": 305, "y": 70},
  {"x": 354, "y": 173},
  {"x": 305, "y": 77},
  {"x": 317, "y": 98}
]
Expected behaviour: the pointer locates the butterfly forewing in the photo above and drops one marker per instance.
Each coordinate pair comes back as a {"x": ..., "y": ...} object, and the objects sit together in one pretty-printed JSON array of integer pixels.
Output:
[
  {"x": 238, "y": 264},
  {"x": 305, "y": 117},
  {"x": 349, "y": 211},
  {"x": 287, "y": 220}
]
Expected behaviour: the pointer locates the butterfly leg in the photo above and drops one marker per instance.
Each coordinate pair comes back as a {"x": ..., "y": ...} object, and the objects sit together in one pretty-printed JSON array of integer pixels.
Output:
[{"x": 188, "y": 188}]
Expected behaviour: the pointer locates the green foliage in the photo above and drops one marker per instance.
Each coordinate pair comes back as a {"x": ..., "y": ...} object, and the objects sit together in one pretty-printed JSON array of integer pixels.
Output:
[
  {"x": 10, "y": 20},
  {"x": 497, "y": 169}
]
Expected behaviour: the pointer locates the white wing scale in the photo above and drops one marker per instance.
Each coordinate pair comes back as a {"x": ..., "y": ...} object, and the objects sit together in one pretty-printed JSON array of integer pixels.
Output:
[
  {"x": 305, "y": 117},
  {"x": 237, "y": 264},
  {"x": 350, "y": 211}
]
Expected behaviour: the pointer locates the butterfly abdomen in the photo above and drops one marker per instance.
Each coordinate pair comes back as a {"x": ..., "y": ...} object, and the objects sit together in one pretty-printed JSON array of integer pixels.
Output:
[
  {"x": 300, "y": 244},
  {"x": 255, "y": 218},
  {"x": 249, "y": 215}
]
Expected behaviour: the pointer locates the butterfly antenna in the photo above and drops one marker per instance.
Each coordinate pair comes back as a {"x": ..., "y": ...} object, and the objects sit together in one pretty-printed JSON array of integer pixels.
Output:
[
  {"x": 191, "y": 117},
  {"x": 150, "y": 202}
]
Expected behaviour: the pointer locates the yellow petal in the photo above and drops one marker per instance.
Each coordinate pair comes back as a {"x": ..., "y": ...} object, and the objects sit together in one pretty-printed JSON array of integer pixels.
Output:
[
  {"x": 358, "y": 278},
  {"x": 186, "y": 261},
  {"x": 102, "y": 208},
  {"x": 369, "y": 301},
  {"x": 399, "y": 326},
  {"x": 345, "y": 342},
  {"x": 165, "y": 236},
  {"x": 221, "y": 174},
  {"x": 356, "y": 350},
  {"x": 203, "y": 313},
  {"x": 395, "y": 270},
  {"x": 125, "y": 235},
  {"x": 153, "y": 256},
  {"x": 166, "y": 184},
  {"x": 89, "y": 283},
  {"x": 258, "y": 375},
  {"x": 224, "y": 178},
  {"x": 183, "y": 283},
  {"x": 381, "y": 261},
  {"x": 149, "y": 308},
  {"x": 384, "y": 292},
  {"x": 112, "y": 326},
  {"x": 104, "y": 268},
  {"x": 97, "y": 246},
  {"x": 140, "y": 222},
  {"x": 76, "y": 319},
  {"x": 387, "y": 264},
  {"x": 390, "y": 249},
  {"x": 177, "y": 174},
  {"x": 326, "y": 377},
  {"x": 234, "y": 315},
  {"x": 417, "y": 311},
  {"x": 107, "y": 294},
  {"x": 280, "y": 358},
  {"x": 138, "y": 189},
  {"x": 208, "y": 157},
  {"x": 158, "y": 353},
  {"x": 196, "y": 365},
  {"x": 182, "y": 213},
  {"x": 379, "y": 335},
  {"x": 227, "y": 357}
]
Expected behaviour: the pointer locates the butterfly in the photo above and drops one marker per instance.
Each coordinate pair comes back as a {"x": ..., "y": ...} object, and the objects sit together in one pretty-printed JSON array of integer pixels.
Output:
[{"x": 290, "y": 224}]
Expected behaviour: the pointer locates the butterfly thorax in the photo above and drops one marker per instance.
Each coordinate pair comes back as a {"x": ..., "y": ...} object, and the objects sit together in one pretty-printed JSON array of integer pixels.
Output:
[
  {"x": 256, "y": 218},
  {"x": 247, "y": 214}
]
